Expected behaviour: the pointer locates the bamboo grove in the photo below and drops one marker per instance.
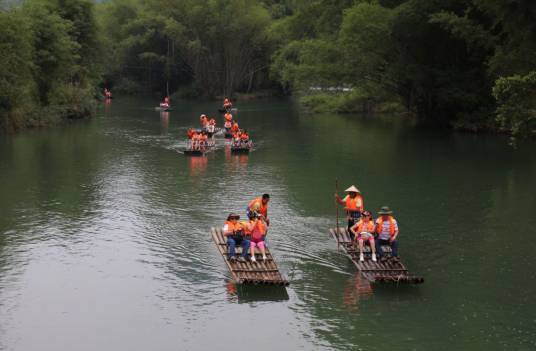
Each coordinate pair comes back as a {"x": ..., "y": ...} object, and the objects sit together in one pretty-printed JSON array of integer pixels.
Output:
[{"x": 467, "y": 64}]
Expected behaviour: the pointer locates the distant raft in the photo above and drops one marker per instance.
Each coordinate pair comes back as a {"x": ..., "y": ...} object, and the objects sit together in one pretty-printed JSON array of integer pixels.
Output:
[
  {"x": 390, "y": 271},
  {"x": 259, "y": 272}
]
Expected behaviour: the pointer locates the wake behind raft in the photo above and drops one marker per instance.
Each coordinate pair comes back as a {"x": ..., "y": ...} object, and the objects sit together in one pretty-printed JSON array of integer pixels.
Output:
[{"x": 391, "y": 271}]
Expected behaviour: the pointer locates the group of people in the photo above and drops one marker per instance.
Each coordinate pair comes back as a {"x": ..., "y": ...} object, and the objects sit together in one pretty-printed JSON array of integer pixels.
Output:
[
  {"x": 198, "y": 140},
  {"x": 239, "y": 136},
  {"x": 207, "y": 125},
  {"x": 364, "y": 229},
  {"x": 248, "y": 234}
]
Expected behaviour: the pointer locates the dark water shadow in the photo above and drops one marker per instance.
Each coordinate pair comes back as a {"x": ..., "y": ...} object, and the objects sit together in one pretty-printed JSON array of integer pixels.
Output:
[{"x": 256, "y": 293}]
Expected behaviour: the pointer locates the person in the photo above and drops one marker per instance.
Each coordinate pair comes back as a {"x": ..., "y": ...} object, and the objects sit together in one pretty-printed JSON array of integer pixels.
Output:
[
  {"x": 203, "y": 120},
  {"x": 257, "y": 229},
  {"x": 353, "y": 204},
  {"x": 165, "y": 103},
  {"x": 259, "y": 205},
  {"x": 228, "y": 119},
  {"x": 235, "y": 128},
  {"x": 107, "y": 93},
  {"x": 227, "y": 104},
  {"x": 234, "y": 232},
  {"x": 244, "y": 137},
  {"x": 190, "y": 133},
  {"x": 196, "y": 138},
  {"x": 203, "y": 139},
  {"x": 387, "y": 230},
  {"x": 363, "y": 230}
]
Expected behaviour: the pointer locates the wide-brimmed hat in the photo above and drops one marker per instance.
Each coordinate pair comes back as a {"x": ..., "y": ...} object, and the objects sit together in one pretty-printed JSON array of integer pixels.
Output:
[
  {"x": 233, "y": 215},
  {"x": 385, "y": 210},
  {"x": 352, "y": 189}
]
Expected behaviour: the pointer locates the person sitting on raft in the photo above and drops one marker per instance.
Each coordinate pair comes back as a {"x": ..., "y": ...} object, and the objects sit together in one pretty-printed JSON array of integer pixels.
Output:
[
  {"x": 353, "y": 204},
  {"x": 165, "y": 103},
  {"x": 235, "y": 128},
  {"x": 190, "y": 133},
  {"x": 234, "y": 232},
  {"x": 387, "y": 230},
  {"x": 259, "y": 205},
  {"x": 364, "y": 231},
  {"x": 257, "y": 229},
  {"x": 244, "y": 136}
]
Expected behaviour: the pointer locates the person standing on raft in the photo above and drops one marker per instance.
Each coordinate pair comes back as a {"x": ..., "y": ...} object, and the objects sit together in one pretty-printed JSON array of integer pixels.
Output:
[
  {"x": 353, "y": 204},
  {"x": 259, "y": 205}
]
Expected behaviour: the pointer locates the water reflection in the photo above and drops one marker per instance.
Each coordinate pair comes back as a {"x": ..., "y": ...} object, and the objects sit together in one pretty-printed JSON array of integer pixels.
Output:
[
  {"x": 356, "y": 289},
  {"x": 197, "y": 165},
  {"x": 255, "y": 293},
  {"x": 164, "y": 122}
]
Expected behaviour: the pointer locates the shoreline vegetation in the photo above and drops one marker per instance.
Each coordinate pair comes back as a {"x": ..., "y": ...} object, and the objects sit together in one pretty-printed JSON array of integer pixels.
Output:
[{"x": 462, "y": 64}]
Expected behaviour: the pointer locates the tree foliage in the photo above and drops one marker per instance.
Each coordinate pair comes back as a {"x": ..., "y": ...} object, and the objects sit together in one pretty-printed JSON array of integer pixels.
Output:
[{"x": 49, "y": 65}]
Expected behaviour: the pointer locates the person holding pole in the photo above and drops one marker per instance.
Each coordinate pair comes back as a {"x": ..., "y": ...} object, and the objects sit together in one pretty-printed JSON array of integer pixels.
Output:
[{"x": 353, "y": 204}]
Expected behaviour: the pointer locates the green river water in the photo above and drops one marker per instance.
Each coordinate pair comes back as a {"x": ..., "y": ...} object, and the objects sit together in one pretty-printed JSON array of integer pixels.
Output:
[{"x": 104, "y": 235}]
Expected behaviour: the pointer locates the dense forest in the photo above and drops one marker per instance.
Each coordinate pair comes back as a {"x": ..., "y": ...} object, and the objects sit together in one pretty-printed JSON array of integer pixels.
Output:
[{"x": 468, "y": 64}]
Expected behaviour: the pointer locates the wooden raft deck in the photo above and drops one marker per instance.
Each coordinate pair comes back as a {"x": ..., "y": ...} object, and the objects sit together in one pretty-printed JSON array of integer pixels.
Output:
[
  {"x": 389, "y": 271},
  {"x": 259, "y": 272}
]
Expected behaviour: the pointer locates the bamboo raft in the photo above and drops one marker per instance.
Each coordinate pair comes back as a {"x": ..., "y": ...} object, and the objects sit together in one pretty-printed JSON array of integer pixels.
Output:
[
  {"x": 248, "y": 272},
  {"x": 375, "y": 272}
]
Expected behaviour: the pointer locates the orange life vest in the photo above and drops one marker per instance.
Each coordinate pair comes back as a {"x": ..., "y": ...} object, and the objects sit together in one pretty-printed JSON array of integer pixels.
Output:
[
  {"x": 379, "y": 227},
  {"x": 354, "y": 204},
  {"x": 263, "y": 208},
  {"x": 234, "y": 128},
  {"x": 259, "y": 230},
  {"x": 361, "y": 226},
  {"x": 244, "y": 136},
  {"x": 228, "y": 117},
  {"x": 231, "y": 227}
]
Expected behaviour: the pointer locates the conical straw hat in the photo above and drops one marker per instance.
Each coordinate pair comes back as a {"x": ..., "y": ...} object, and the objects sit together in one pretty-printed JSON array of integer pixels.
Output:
[{"x": 352, "y": 189}]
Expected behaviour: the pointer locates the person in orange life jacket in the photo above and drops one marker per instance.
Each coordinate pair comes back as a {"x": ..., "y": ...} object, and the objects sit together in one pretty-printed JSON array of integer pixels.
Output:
[
  {"x": 259, "y": 205},
  {"x": 257, "y": 229},
  {"x": 363, "y": 230},
  {"x": 234, "y": 232},
  {"x": 203, "y": 138},
  {"x": 190, "y": 133},
  {"x": 353, "y": 204},
  {"x": 235, "y": 128},
  {"x": 387, "y": 230},
  {"x": 244, "y": 136}
]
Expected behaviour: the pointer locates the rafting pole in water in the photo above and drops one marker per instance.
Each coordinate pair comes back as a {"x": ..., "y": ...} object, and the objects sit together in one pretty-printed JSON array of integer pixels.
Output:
[{"x": 337, "y": 213}]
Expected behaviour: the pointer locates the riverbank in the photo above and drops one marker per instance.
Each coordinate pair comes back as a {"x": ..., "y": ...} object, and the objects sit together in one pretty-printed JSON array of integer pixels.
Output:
[{"x": 34, "y": 116}]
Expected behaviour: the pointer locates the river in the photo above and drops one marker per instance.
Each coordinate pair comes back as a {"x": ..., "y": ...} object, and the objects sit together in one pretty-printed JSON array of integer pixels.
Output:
[{"x": 104, "y": 235}]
